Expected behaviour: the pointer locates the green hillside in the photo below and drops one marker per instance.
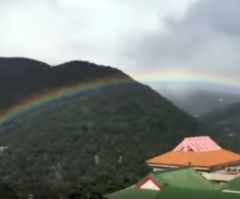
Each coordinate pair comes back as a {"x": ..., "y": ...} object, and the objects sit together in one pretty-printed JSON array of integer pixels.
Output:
[
  {"x": 120, "y": 129},
  {"x": 92, "y": 143},
  {"x": 225, "y": 126}
]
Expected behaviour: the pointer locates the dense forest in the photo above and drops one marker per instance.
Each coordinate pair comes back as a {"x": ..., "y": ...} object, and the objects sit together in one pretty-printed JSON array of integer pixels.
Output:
[{"x": 87, "y": 145}]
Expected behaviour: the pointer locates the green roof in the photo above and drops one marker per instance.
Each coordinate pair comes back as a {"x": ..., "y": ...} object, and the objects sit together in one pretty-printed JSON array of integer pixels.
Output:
[
  {"x": 182, "y": 178},
  {"x": 233, "y": 184},
  {"x": 178, "y": 193},
  {"x": 170, "y": 193},
  {"x": 179, "y": 183},
  {"x": 133, "y": 193}
]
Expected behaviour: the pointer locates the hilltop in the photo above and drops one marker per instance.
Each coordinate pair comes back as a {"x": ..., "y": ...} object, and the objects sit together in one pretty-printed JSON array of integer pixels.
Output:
[{"x": 23, "y": 77}]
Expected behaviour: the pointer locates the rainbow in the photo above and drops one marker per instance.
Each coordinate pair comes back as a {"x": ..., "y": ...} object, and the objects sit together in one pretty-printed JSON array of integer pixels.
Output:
[
  {"x": 181, "y": 76},
  {"x": 46, "y": 99}
]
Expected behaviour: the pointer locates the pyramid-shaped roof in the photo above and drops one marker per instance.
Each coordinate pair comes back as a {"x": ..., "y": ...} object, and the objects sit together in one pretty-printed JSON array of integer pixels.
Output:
[
  {"x": 197, "y": 144},
  {"x": 149, "y": 183},
  {"x": 199, "y": 152}
]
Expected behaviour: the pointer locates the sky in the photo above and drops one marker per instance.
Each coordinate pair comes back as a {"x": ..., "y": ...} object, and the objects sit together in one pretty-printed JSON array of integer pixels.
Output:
[
  {"x": 136, "y": 36},
  {"x": 94, "y": 30}
]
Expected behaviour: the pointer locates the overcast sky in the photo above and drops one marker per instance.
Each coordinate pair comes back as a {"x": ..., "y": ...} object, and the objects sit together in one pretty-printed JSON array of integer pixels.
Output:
[
  {"x": 95, "y": 30},
  {"x": 133, "y": 35}
]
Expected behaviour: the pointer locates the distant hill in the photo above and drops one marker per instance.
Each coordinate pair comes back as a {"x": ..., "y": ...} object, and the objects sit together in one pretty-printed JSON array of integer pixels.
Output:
[
  {"x": 225, "y": 124},
  {"x": 199, "y": 102},
  {"x": 91, "y": 143}
]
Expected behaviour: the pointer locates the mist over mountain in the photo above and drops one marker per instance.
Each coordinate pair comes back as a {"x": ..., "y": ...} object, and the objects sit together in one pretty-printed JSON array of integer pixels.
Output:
[
  {"x": 226, "y": 122},
  {"x": 200, "y": 102}
]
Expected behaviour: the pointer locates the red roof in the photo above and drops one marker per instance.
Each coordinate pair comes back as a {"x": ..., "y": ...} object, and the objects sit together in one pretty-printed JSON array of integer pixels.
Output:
[
  {"x": 148, "y": 183},
  {"x": 197, "y": 144}
]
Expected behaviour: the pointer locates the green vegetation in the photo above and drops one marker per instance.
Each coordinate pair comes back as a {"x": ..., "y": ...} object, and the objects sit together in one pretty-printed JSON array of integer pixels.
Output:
[
  {"x": 89, "y": 145},
  {"x": 7, "y": 192},
  {"x": 94, "y": 143}
]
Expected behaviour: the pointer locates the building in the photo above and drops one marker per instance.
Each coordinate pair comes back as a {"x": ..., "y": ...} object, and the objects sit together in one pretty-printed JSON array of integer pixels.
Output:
[
  {"x": 173, "y": 183},
  {"x": 165, "y": 182},
  {"x": 186, "y": 178},
  {"x": 190, "y": 170},
  {"x": 204, "y": 155}
]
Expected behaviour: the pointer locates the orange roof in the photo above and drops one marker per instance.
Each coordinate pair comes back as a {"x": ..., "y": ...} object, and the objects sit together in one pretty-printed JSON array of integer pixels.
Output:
[{"x": 206, "y": 159}]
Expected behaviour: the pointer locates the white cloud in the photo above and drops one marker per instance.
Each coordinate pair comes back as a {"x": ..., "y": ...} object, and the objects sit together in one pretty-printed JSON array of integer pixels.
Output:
[
  {"x": 94, "y": 30},
  {"x": 206, "y": 40}
]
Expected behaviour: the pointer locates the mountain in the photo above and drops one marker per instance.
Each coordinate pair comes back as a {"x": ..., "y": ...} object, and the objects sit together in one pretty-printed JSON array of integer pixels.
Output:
[
  {"x": 22, "y": 77},
  {"x": 92, "y": 143},
  {"x": 199, "y": 102},
  {"x": 225, "y": 124}
]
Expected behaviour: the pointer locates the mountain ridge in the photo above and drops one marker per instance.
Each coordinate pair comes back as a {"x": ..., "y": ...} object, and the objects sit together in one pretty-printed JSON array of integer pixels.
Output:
[
  {"x": 21, "y": 77},
  {"x": 100, "y": 136}
]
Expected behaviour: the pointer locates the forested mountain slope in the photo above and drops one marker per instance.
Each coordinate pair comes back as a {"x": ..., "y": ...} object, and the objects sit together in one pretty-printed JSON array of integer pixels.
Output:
[{"x": 96, "y": 142}]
